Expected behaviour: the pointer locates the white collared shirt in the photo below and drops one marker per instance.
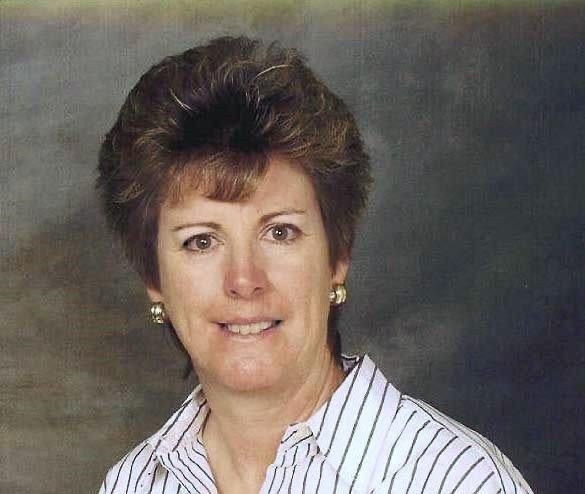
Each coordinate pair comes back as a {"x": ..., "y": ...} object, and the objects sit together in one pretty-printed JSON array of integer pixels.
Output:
[{"x": 368, "y": 438}]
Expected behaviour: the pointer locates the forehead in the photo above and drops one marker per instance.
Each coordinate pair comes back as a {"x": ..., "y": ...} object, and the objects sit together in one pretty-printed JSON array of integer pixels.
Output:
[{"x": 284, "y": 185}]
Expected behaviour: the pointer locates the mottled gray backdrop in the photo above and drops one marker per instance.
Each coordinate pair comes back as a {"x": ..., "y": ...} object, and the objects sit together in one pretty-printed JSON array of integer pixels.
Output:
[{"x": 468, "y": 278}]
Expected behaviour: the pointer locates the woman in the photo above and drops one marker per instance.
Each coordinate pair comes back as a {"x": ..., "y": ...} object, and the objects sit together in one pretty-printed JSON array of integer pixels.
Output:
[{"x": 234, "y": 179}]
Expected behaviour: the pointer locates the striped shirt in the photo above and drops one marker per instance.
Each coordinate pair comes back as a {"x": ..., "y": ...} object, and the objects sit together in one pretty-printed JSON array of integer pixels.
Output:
[{"x": 368, "y": 438}]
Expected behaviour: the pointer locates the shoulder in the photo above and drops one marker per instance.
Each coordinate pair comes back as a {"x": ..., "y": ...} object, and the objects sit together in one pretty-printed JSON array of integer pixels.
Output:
[
  {"x": 126, "y": 475},
  {"x": 431, "y": 452}
]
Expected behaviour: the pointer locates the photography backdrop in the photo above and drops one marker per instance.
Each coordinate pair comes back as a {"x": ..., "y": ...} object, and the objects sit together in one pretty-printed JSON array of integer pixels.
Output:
[{"x": 468, "y": 277}]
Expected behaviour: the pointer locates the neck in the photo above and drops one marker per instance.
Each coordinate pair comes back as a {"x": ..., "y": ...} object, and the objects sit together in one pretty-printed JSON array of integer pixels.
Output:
[{"x": 243, "y": 430}]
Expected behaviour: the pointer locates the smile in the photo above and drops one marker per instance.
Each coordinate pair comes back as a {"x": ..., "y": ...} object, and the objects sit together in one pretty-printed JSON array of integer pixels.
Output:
[{"x": 251, "y": 328}]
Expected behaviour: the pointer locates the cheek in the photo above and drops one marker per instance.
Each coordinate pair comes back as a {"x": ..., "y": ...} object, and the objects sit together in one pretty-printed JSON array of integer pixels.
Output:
[
  {"x": 187, "y": 289},
  {"x": 305, "y": 282}
]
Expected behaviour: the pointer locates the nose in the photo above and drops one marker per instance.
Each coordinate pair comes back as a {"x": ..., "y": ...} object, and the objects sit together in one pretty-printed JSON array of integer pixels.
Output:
[{"x": 245, "y": 277}]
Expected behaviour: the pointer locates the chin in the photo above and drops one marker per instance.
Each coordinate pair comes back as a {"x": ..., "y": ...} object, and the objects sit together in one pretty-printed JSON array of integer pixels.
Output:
[{"x": 251, "y": 374}]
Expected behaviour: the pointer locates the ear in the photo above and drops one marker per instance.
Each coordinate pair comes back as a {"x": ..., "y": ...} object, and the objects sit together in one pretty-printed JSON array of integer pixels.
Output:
[
  {"x": 154, "y": 294},
  {"x": 340, "y": 271}
]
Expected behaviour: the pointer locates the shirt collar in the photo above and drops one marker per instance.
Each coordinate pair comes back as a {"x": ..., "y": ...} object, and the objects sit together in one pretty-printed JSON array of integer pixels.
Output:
[
  {"x": 349, "y": 428},
  {"x": 183, "y": 426}
]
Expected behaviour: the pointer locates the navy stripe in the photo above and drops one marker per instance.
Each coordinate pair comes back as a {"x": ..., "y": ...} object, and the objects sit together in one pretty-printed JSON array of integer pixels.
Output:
[
  {"x": 435, "y": 461},
  {"x": 468, "y": 433},
  {"x": 370, "y": 437},
  {"x": 409, "y": 453},
  {"x": 177, "y": 417},
  {"x": 200, "y": 467},
  {"x": 191, "y": 471},
  {"x": 483, "y": 483},
  {"x": 456, "y": 459},
  {"x": 177, "y": 469},
  {"x": 119, "y": 470},
  {"x": 466, "y": 474},
  {"x": 143, "y": 470},
  {"x": 343, "y": 407},
  {"x": 359, "y": 414},
  {"x": 190, "y": 424},
  {"x": 132, "y": 466},
  {"x": 395, "y": 443},
  {"x": 307, "y": 473},
  {"x": 420, "y": 456}
]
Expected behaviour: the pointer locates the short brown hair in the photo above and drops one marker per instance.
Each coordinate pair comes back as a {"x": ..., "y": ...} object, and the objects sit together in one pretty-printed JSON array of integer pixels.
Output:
[{"x": 211, "y": 118}]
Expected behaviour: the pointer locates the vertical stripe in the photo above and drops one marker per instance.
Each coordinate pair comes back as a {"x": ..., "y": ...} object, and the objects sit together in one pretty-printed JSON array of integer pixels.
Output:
[
  {"x": 177, "y": 469},
  {"x": 292, "y": 478},
  {"x": 175, "y": 420},
  {"x": 199, "y": 467},
  {"x": 483, "y": 483},
  {"x": 165, "y": 482},
  {"x": 119, "y": 470},
  {"x": 473, "y": 436},
  {"x": 420, "y": 456},
  {"x": 186, "y": 465},
  {"x": 359, "y": 414},
  {"x": 307, "y": 473},
  {"x": 273, "y": 477},
  {"x": 370, "y": 437},
  {"x": 132, "y": 466},
  {"x": 190, "y": 424},
  {"x": 435, "y": 461},
  {"x": 409, "y": 453},
  {"x": 281, "y": 467},
  {"x": 340, "y": 414},
  {"x": 284, "y": 469},
  {"x": 464, "y": 476},
  {"x": 153, "y": 479},
  {"x": 455, "y": 460},
  {"x": 143, "y": 470},
  {"x": 199, "y": 453},
  {"x": 320, "y": 474},
  {"x": 395, "y": 443}
]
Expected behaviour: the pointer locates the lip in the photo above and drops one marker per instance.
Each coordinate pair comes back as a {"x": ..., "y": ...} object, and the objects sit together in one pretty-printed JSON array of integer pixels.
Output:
[
  {"x": 249, "y": 336},
  {"x": 253, "y": 320}
]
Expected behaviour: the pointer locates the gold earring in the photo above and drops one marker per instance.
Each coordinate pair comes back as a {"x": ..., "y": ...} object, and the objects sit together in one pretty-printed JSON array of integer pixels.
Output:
[
  {"x": 338, "y": 295},
  {"x": 158, "y": 314}
]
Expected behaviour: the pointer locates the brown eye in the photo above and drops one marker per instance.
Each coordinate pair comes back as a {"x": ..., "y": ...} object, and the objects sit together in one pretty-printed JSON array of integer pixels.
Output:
[
  {"x": 283, "y": 233},
  {"x": 200, "y": 242},
  {"x": 280, "y": 232}
]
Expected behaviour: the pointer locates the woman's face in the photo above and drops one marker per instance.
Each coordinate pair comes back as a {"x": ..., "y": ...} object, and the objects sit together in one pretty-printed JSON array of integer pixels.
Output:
[{"x": 246, "y": 284}]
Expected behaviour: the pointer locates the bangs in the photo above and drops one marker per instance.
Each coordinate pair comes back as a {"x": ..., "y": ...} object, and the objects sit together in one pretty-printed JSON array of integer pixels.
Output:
[{"x": 223, "y": 176}]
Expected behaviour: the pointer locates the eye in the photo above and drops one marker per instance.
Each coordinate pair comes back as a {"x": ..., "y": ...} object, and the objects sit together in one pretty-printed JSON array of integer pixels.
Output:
[
  {"x": 200, "y": 242},
  {"x": 283, "y": 233}
]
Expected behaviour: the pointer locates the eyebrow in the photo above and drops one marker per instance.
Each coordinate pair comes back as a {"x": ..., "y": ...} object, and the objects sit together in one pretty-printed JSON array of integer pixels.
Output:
[
  {"x": 216, "y": 226},
  {"x": 267, "y": 217},
  {"x": 208, "y": 224}
]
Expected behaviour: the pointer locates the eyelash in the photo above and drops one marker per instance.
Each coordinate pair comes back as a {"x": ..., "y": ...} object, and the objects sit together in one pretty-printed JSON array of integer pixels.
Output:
[
  {"x": 294, "y": 230},
  {"x": 190, "y": 242}
]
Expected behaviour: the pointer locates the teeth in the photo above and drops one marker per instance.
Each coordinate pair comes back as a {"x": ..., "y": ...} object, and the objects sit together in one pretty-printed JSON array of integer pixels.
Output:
[{"x": 253, "y": 328}]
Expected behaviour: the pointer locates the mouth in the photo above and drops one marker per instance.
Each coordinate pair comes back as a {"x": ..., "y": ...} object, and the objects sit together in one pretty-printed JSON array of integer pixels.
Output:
[{"x": 252, "y": 328}]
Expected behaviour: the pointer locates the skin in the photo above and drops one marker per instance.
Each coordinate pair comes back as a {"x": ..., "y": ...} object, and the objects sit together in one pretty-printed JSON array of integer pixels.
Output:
[{"x": 264, "y": 259}]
